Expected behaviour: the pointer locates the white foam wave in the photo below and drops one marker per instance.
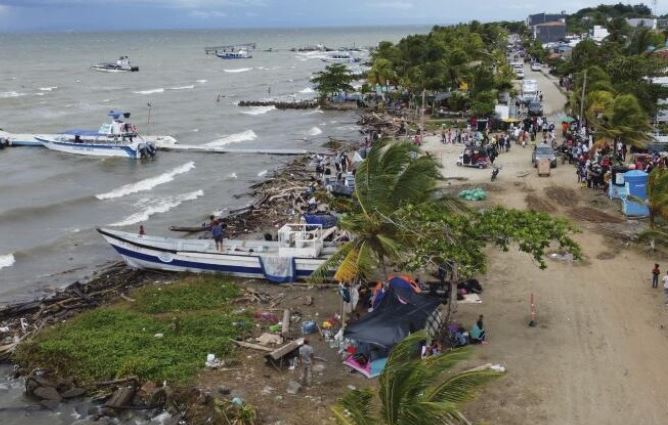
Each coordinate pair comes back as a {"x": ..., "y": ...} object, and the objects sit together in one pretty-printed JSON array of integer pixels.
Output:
[
  {"x": 202, "y": 81},
  {"x": 262, "y": 173},
  {"x": 244, "y": 136},
  {"x": 48, "y": 88},
  {"x": 6, "y": 261},
  {"x": 315, "y": 111},
  {"x": 152, "y": 91},
  {"x": 182, "y": 87},
  {"x": 307, "y": 90},
  {"x": 236, "y": 70},
  {"x": 232, "y": 176},
  {"x": 158, "y": 206},
  {"x": 315, "y": 131},
  {"x": 12, "y": 93},
  {"x": 147, "y": 184},
  {"x": 258, "y": 110}
]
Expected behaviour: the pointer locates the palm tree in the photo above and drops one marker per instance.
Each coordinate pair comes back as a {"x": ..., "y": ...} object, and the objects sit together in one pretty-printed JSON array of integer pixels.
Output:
[
  {"x": 657, "y": 195},
  {"x": 414, "y": 391},
  {"x": 393, "y": 175}
]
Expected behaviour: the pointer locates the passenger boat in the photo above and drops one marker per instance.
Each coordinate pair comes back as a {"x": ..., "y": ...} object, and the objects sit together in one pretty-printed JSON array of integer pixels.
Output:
[
  {"x": 232, "y": 53},
  {"x": 298, "y": 252},
  {"x": 103, "y": 146},
  {"x": 112, "y": 130},
  {"x": 121, "y": 65}
]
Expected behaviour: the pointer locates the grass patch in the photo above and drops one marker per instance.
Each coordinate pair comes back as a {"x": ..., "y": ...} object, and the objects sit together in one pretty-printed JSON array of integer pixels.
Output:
[{"x": 120, "y": 340}]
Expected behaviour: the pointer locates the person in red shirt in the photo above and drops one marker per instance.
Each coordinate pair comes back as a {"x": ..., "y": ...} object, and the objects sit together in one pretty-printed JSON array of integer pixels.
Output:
[{"x": 655, "y": 276}]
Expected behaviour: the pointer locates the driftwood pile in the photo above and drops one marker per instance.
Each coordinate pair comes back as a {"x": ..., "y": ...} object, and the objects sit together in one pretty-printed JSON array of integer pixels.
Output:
[
  {"x": 19, "y": 321},
  {"x": 279, "y": 199},
  {"x": 297, "y": 104},
  {"x": 383, "y": 124}
]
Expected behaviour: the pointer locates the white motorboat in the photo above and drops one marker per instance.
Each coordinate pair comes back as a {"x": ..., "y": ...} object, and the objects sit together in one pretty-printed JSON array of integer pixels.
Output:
[
  {"x": 113, "y": 131},
  {"x": 104, "y": 146},
  {"x": 234, "y": 53},
  {"x": 121, "y": 65},
  {"x": 299, "y": 251}
]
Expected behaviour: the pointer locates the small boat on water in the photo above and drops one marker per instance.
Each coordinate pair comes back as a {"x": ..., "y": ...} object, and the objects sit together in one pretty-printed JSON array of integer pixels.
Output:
[
  {"x": 133, "y": 149},
  {"x": 234, "y": 54},
  {"x": 117, "y": 138},
  {"x": 121, "y": 65},
  {"x": 298, "y": 252},
  {"x": 112, "y": 130}
]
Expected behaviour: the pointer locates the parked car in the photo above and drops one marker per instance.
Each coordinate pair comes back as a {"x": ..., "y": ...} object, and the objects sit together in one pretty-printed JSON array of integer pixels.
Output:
[
  {"x": 520, "y": 74},
  {"x": 535, "y": 108},
  {"x": 544, "y": 151},
  {"x": 536, "y": 66}
]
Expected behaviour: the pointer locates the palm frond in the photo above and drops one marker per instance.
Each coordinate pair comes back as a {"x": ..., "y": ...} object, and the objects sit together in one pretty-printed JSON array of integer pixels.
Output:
[
  {"x": 322, "y": 273},
  {"x": 460, "y": 387},
  {"x": 355, "y": 408}
]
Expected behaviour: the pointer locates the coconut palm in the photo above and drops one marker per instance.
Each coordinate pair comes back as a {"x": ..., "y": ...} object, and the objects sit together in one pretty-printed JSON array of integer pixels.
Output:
[
  {"x": 414, "y": 391},
  {"x": 393, "y": 175},
  {"x": 657, "y": 195}
]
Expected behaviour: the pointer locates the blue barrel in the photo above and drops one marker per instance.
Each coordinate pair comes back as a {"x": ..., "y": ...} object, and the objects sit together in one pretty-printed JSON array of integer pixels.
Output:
[{"x": 636, "y": 182}]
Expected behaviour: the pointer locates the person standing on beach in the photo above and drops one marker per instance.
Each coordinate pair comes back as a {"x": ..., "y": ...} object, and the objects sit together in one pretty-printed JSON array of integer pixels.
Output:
[
  {"x": 665, "y": 286},
  {"x": 306, "y": 356},
  {"x": 217, "y": 234},
  {"x": 655, "y": 276}
]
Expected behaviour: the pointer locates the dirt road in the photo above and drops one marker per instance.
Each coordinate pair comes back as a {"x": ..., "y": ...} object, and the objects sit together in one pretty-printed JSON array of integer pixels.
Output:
[{"x": 599, "y": 353}]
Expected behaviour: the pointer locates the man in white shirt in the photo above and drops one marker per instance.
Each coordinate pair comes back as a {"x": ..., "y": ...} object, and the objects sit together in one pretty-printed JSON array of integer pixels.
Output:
[{"x": 665, "y": 286}]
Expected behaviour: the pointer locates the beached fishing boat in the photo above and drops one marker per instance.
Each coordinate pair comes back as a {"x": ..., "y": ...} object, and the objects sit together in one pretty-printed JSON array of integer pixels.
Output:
[
  {"x": 299, "y": 250},
  {"x": 121, "y": 65}
]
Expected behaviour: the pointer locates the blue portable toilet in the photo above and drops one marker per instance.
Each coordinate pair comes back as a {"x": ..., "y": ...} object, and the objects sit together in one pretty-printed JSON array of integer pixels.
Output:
[{"x": 636, "y": 186}]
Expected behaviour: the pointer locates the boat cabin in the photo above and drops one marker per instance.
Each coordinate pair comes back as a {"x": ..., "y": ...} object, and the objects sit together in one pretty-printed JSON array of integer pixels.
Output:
[{"x": 300, "y": 240}]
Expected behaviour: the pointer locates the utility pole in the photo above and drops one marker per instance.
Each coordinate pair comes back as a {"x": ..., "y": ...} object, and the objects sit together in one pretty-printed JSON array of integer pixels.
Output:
[
  {"x": 424, "y": 100},
  {"x": 582, "y": 99}
]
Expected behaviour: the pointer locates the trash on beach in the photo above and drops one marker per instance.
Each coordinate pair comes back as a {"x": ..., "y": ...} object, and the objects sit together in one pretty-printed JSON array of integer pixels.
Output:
[
  {"x": 561, "y": 257},
  {"x": 309, "y": 327},
  {"x": 212, "y": 362},
  {"x": 476, "y": 194}
]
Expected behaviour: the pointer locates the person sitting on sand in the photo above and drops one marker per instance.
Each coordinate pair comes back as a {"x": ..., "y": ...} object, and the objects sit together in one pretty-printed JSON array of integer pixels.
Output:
[{"x": 477, "y": 333}]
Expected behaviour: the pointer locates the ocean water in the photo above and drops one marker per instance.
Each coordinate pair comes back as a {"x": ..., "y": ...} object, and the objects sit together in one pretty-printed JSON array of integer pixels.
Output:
[{"x": 51, "y": 203}]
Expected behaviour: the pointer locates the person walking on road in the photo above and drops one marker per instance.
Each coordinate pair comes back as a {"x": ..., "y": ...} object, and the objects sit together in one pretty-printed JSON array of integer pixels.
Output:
[
  {"x": 655, "y": 276},
  {"x": 665, "y": 286}
]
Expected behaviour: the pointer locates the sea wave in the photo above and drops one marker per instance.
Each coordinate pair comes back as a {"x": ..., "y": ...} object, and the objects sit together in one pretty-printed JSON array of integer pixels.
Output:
[
  {"x": 307, "y": 90},
  {"x": 147, "y": 184},
  {"x": 244, "y": 136},
  {"x": 48, "y": 88},
  {"x": 151, "y": 91},
  {"x": 236, "y": 70},
  {"x": 11, "y": 93},
  {"x": 262, "y": 173},
  {"x": 157, "y": 206},
  {"x": 202, "y": 81},
  {"x": 315, "y": 131},
  {"x": 6, "y": 261},
  {"x": 182, "y": 87},
  {"x": 258, "y": 110}
]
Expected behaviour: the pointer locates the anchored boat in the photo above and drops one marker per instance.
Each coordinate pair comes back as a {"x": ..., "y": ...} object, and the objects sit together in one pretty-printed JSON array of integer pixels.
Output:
[
  {"x": 121, "y": 65},
  {"x": 232, "y": 51},
  {"x": 299, "y": 251}
]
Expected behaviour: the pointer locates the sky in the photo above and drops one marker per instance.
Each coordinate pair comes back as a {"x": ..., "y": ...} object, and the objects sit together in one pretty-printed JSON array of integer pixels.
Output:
[{"x": 87, "y": 15}]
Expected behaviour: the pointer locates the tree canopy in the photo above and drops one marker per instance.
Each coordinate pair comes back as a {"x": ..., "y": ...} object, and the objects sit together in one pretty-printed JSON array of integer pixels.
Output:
[{"x": 336, "y": 78}]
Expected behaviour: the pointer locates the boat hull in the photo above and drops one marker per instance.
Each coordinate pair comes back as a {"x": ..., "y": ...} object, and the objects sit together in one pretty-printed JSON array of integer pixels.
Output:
[
  {"x": 142, "y": 256},
  {"x": 118, "y": 150}
]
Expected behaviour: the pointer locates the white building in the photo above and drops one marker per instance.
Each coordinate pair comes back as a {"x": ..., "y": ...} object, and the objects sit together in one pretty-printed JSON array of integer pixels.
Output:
[
  {"x": 650, "y": 23},
  {"x": 598, "y": 33}
]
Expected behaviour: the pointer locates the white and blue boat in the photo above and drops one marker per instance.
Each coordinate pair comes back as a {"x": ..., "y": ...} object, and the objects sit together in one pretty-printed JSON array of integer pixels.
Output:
[
  {"x": 298, "y": 252},
  {"x": 104, "y": 147},
  {"x": 117, "y": 129},
  {"x": 240, "y": 53}
]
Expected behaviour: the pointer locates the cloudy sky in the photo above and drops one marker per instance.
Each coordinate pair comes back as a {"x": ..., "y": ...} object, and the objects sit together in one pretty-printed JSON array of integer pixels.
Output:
[{"x": 69, "y": 15}]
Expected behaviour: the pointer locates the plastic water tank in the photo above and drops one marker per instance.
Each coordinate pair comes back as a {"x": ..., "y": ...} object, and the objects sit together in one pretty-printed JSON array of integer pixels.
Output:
[{"x": 636, "y": 182}]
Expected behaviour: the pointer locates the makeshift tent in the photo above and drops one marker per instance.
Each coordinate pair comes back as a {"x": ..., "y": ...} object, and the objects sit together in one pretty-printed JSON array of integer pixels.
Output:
[{"x": 401, "y": 312}]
